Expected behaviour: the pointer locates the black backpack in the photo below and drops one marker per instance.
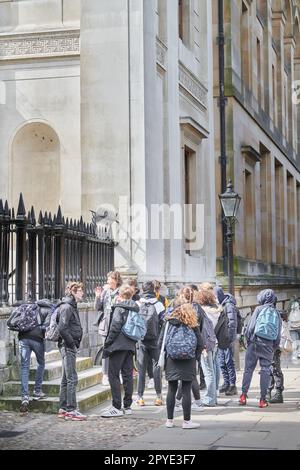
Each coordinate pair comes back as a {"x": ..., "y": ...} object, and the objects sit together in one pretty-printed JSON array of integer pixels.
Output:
[
  {"x": 149, "y": 313},
  {"x": 240, "y": 322},
  {"x": 222, "y": 331}
]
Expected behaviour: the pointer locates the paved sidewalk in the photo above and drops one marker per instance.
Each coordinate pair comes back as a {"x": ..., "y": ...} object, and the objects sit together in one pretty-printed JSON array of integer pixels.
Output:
[{"x": 231, "y": 426}]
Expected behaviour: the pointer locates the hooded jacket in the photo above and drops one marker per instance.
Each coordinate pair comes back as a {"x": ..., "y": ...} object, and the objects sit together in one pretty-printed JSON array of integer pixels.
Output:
[
  {"x": 69, "y": 325},
  {"x": 228, "y": 302},
  {"x": 116, "y": 340},
  {"x": 264, "y": 298}
]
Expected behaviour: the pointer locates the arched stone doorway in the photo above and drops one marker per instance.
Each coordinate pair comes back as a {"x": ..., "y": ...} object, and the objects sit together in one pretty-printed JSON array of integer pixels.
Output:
[{"x": 35, "y": 167}]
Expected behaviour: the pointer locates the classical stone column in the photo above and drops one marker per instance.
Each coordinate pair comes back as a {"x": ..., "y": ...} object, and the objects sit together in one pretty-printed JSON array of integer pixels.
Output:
[{"x": 105, "y": 111}]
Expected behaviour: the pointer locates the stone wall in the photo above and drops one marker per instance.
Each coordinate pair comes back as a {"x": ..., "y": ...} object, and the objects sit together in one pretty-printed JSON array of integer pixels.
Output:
[{"x": 9, "y": 356}]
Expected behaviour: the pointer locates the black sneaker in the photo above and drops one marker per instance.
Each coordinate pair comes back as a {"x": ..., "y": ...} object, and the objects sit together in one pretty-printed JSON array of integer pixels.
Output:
[
  {"x": 224, "y": 388},
  {"x": 231, "y": 390},
  {"x": 24, "y": 405}
]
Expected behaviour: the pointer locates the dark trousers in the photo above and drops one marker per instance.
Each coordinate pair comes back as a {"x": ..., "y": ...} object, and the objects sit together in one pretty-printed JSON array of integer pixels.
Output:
[
  {"x": 276, "y": 375},
  {"x": 67, "y": 396},
  {"x": 195, "y": 390},
  {"x": 150, "y": 369},
  {"x": 144, "y": 356},
  {"x": 121, "y": 361},
  {"x": 226, "y": 359},
  {"x": 186, "y": 399},
  {"x": 251, "y": 359}
]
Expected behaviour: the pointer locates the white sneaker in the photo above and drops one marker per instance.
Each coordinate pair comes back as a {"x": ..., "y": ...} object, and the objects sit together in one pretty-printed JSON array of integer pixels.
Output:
[
  {"x": 112, "y": 412},
  {"x": 178, "y": 408},
  {"x": 169, "y": 423},
  {"x": 105, "y": 380},
  {"x": 197, "y": 407},
  {"x": 127, "y": 411},
  {"x": 190, "y": 425},
  {"x": 150, "y": 383}
]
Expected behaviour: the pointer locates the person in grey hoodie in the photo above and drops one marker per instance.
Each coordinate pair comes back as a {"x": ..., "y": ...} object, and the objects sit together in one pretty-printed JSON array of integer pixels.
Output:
[
  {"x": 260, "y": 349},
  {"x": 120, "y": 350},
  {"x": 226, "y": 356}
]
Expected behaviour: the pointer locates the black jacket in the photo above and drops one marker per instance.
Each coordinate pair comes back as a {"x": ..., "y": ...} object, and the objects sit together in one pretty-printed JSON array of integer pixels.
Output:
[
  {"x": 38, "y": 333},
  {"x": 69, "y": 325},
  {"x": 116, "y": 340},
  {"x": 178, "y": 369}
]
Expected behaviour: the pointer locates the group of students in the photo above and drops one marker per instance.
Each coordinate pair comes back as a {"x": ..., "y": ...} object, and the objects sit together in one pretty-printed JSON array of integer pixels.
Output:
[
  {"x": 196, "y": 331},
  {"x": 207, "y": 311}
]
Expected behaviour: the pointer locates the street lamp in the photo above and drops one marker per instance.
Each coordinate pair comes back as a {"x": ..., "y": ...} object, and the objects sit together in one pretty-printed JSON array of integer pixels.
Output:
[{"x": 230, "y": 202}]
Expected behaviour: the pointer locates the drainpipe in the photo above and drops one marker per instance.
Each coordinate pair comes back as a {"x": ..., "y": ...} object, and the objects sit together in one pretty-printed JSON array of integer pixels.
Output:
[{"x": 222, "y": 106}]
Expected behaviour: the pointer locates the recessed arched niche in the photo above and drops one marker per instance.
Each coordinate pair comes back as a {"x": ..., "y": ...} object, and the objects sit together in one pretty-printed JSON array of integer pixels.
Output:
[{"x": 35, "y": 167}]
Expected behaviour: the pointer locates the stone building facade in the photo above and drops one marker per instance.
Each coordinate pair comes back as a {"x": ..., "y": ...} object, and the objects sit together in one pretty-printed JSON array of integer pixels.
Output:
[
  {"x": 111, "y": 103},
  {"x": 262, "y": 65}
]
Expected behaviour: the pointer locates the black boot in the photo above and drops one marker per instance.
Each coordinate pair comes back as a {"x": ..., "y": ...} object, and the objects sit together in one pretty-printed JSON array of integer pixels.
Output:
[
  {"x": 231, "y": 390},
  {"x": 278, "y": 398},
  {"x": 224, "y": 388}
]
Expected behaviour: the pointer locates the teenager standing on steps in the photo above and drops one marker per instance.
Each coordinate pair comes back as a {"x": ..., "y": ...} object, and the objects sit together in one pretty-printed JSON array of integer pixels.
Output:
[{"x": 70, "y": 331}]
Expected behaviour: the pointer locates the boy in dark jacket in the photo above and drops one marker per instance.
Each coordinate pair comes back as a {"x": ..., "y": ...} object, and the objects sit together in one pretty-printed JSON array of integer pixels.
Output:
[
  {"x": 260, "y": 349},
  {"x": 29, "y": 341},
  {"x": 120, "y": 350},
  {"x": 226, "y": 356},
  {"x": 70, "y": 331}
]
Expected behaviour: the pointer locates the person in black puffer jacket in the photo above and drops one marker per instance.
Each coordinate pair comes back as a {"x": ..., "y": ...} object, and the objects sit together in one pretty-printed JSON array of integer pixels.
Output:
[
  {"x": 181, "y": 369},
  {"x": 120, "y": 350},
  {"x": 29, "y": 341},
  {"x": 70, "y": 331}
]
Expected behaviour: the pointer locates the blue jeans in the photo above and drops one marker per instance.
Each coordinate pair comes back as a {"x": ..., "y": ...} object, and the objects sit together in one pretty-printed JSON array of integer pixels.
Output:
[
  {"x": 67, "y": 396},
  {"x": 26, "y": 348},
  {"x": 211, "y": 370},
  {"x": 226, "y": 358}
]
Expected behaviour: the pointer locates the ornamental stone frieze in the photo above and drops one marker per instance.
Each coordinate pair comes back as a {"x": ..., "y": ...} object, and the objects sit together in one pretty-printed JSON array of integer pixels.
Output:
[
  {"x": 190, "y": 83},
  {"x": 41, "y": 44}
]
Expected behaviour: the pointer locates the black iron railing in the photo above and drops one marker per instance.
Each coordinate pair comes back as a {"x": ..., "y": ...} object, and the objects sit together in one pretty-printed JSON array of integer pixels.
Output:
[{"x": 38, "y": 258}]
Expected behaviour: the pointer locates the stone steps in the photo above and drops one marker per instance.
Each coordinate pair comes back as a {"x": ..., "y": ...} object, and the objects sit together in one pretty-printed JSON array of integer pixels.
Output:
[
  {"x": 50, "y": 356},
  {"x": 53, "y": 370},
  {"x": 90, "y": 392},
  {"x": 87, "y": 378},
  {"x": 86, "y": 399}
]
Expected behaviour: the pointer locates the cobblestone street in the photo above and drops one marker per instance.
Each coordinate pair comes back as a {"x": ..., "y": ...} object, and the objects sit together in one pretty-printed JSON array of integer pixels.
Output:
[{"x": 32, "y": 431}]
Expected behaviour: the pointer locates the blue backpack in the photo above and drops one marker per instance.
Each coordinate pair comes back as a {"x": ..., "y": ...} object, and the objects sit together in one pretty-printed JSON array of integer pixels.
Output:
[
  {"x": 135, "y": 326},
  {"x": 181, "y": 342},
  {"x": 267, "y": 323}
]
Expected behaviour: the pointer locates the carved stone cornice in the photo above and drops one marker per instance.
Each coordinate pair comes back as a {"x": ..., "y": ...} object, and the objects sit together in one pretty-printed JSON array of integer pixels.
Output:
[
  {"x": 191, "y": 84},
  {"x": 161, "y": 54},
  {"x": 18, "y": 46}
]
